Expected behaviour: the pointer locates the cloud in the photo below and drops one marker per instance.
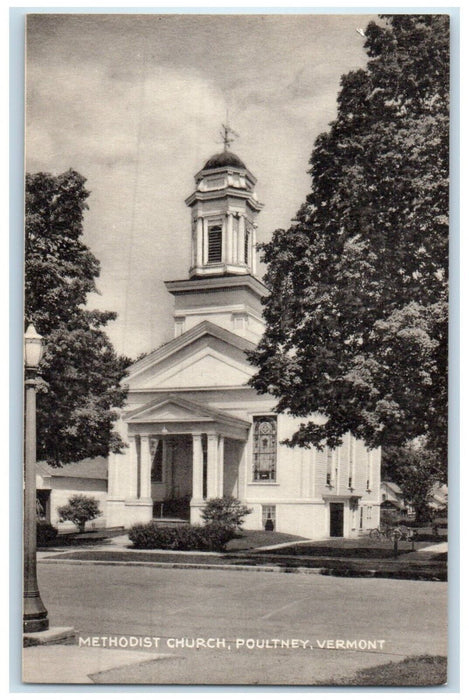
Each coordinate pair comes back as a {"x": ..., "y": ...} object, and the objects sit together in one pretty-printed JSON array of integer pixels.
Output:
[{"x": 135, "y": 102}]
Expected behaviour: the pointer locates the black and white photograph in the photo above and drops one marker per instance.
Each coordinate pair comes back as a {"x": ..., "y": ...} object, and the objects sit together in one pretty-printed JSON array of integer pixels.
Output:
[{"x": 236, "y": 234}]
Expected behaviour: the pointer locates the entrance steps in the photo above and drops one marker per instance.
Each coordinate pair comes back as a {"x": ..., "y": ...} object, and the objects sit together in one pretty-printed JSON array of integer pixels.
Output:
[{"x": 170, "y": 522}]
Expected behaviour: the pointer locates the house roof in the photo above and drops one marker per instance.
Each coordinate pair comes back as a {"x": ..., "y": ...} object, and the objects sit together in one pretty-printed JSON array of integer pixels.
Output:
[
  {"x": 391, "y": 502},
  {"x": 96, "y": 468},
  {"x": 391, "y": 485}
]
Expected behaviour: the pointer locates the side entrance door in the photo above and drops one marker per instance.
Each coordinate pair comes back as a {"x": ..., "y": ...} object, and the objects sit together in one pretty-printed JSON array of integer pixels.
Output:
[{"x": 337, "y": 519}]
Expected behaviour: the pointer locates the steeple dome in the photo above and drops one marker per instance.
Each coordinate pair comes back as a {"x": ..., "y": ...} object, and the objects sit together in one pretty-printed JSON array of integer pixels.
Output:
[
  {"x": 220, "y": 160},
  {"x": 224, "y": 208}
]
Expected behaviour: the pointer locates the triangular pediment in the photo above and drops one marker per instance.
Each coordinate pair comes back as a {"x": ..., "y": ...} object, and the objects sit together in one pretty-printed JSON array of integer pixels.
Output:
[
  {"x": 167, "y": 411},
  {"x": 206, "y": 356},
  {"x": 173, "y": 409}
]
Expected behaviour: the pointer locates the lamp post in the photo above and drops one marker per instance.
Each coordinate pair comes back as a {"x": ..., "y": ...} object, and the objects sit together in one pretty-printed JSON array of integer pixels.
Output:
[{"x": 34, "y": 613}]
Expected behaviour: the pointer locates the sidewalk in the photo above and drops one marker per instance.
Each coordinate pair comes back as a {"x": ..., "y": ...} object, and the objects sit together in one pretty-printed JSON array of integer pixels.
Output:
[
  {"x": 74, "y": 664},
  {"x": 85, "y": 666}
]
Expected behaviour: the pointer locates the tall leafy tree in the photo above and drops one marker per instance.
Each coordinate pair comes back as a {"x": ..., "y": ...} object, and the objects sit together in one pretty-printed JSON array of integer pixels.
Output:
[
  {"x": 357, "y": 312},
  {"x": 81, "y": 371},
  {"x": 417, "y": 470}
]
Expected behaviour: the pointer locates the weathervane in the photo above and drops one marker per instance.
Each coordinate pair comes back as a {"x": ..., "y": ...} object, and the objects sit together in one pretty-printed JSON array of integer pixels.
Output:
[{"x": 228, "y": 135}]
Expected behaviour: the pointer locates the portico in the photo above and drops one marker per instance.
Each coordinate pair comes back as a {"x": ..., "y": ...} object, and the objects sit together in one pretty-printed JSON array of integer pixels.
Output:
[{"x": 179, "y": 449}]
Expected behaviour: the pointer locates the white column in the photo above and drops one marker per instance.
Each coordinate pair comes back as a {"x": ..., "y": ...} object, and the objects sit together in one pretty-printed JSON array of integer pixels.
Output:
[
  {"x": 133, "y": 458},
  {"x": 145, "y": 467},
  {"x": 197, "y": 468},
  {"x": 253, "y": 250},
  {"x": 241, "y": 232},
  {"x": 212, "y": 465},
  {"x": 223, "y": 240},
  {"x": 221, "y": 463},
  {"x": 234, "y": 238},
  {"x": 229, "y": 238},
  {"x": 205, "y": 238},
  {"x": 199, "y": 238}
]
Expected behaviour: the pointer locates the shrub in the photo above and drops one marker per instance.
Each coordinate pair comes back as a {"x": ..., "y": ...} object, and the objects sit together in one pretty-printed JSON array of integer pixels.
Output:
[
  {"x": 389, "y": 517},
  {"x": 45, "y": 533},
  {"x": 79, "y": 510},
  {"x": 211, "y": 538},
  {"x": 227, "y": 511}
]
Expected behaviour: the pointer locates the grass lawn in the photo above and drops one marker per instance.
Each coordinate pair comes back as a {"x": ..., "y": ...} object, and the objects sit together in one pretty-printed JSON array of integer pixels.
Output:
[
  {"x": 413, "y": 671},
  {"x": 250, "y": 539},
  {"x": 337, "y": 567},
  {"x": 138, "y": 555},
  {"x": 362, "y": 548}
]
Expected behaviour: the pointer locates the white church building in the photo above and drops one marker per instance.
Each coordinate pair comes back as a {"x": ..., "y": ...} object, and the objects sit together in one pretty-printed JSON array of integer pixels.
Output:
[{"x": 194, "y": 427}]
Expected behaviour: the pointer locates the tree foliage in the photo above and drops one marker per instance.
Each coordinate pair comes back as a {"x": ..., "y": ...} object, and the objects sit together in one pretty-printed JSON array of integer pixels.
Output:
[
  {"x": 417, "y": 470},
  {"x": 80, "y": 369},
  {"x": 357, "y": 312}
]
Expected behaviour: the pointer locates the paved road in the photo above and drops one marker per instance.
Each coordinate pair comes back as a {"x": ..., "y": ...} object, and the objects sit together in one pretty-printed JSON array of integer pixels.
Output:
[{"x": 397, "y": 618}]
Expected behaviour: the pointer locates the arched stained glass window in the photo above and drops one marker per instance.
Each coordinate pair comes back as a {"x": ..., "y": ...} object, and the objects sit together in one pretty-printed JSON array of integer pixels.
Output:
[{"x": 265, "y": 448}]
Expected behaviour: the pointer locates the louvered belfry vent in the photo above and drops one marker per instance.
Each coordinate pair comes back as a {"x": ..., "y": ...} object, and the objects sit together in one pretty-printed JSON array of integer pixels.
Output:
[
  {"x": 214, "y": 244},
  {"x": 246, "y": 247}
]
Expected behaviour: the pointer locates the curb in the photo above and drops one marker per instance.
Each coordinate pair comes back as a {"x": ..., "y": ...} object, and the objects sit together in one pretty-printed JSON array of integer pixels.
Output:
[
  {"x": 277, "y": 569},
  {"x": 183, "y": 565}
]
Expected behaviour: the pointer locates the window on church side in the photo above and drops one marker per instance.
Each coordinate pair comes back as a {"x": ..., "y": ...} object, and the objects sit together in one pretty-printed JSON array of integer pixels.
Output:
[
  {"x": 369, "y": 470},
  {"x": 214, "y": 244},
  {"x": 328, "y": 466},
  {"x": 265, "y": 448},
  {"x": 157, "y": 462},
  {"x": 268, "y": 517},
  {"x": 351, "y": 462}
]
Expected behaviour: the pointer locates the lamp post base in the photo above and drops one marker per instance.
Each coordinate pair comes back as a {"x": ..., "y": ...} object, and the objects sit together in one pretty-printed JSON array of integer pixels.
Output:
[
  {"x": 35, "y": 625},
  {"x": 34, "y": 613}
]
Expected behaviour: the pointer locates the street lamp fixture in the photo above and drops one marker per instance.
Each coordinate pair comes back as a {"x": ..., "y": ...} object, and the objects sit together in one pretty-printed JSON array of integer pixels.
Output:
[
  {"x": 34, "y": 613},
  {"x": 33, "y": 348}
]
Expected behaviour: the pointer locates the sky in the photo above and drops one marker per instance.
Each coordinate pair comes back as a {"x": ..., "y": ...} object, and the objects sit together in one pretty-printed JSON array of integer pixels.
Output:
[{"x": 135, "y": 104}]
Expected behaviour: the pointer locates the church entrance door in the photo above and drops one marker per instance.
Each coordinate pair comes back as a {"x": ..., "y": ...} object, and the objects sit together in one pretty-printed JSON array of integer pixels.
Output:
[{"x": 336, "y": 519}]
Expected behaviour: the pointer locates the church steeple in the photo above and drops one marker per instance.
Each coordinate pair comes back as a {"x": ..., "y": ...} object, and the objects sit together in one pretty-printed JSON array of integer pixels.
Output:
[
  {"x": 222, "y": 287},
  {"x": 224, "y": 208}
]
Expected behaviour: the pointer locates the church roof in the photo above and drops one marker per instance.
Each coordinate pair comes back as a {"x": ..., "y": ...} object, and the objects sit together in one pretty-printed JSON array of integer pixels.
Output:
[
  {"x": 201, "y": 329},
  {"x": 225, "y": 158}
]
